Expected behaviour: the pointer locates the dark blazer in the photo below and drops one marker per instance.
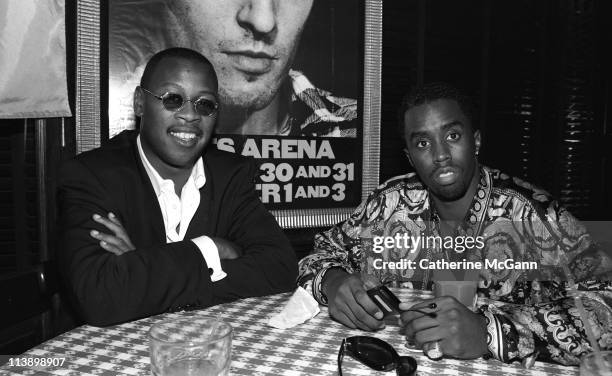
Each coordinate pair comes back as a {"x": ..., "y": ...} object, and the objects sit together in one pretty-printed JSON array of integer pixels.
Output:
[{"x": 156, "y": 276}]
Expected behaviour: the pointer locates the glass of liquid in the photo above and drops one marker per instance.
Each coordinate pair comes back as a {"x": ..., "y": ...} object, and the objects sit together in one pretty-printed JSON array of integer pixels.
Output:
[
  {"x": 190, "y": 346},
  {"x": 463, "y": 291}
]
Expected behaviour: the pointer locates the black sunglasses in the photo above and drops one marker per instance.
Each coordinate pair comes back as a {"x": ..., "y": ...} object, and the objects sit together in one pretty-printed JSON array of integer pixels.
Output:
[
  {"x": 376, "y": 354},
  {"x": 174, "y": 102}
]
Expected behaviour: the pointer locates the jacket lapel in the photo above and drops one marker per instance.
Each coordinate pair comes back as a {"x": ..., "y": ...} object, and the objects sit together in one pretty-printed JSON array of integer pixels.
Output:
[
  {"x": 200, "y": 223},
  {"x": 151, "y": 210}
]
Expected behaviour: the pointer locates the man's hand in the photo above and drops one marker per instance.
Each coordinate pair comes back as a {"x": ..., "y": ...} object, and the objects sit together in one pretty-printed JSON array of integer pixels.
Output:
[
  {"x": 120, "y": 242},
  {"x": 227, "y": 250},
  {"x": 348, "y": 301},
  {"x": 461, "y": 332}
]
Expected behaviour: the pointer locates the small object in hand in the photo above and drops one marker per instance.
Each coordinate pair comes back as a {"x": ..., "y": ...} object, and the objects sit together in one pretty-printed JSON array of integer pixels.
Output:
[
  {"x": 433, "y": 350},
  {"x": 384, "y": 299}
]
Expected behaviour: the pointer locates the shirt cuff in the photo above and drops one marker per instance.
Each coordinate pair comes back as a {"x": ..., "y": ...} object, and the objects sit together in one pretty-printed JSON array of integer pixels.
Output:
[
  {"x": 504, "y": 343},
  {"x": 211, "y": 255}
]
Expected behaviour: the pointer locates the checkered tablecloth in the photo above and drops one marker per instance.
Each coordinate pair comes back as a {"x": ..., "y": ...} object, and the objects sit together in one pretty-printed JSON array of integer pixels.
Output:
[{"x": 257, "y": 349}]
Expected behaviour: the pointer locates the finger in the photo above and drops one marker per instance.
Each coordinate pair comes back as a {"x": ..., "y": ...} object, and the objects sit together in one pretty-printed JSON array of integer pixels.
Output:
[
  {"x": 423, "y": 323},
  {"x": 128, "y": 242},
  {"x": 407, "y": 317},
  {"x": 122, "y": 234},
  {"x": 365, "y": 310},
  {"x": 130, "y": 245},
  {"x": 342, "y": 318},
  {"x": 431, "y": 304},
  {"x": 110, "y": 239},
  {"x": 366, "y": 303},
  {"x": 355, "y": 319},
  {"x": 108, "y": 223},
  {"x": 111, "y": 248},
  {"x": 428, "y": 335},
  {"x": 370, "y": 322},
  {"x": 114, "y": 219},
  {"x": 113, "y": 224},
  {"x": 417, "y": 325}
]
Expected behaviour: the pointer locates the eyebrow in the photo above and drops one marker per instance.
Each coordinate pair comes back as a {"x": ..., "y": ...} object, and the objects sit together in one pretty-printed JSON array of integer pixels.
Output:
[{"x": 445, "y": 127}]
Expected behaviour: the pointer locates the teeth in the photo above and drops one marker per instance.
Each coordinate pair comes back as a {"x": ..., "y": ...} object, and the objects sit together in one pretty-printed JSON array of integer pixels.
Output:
[
  {"x": 183, "y": 135},
  {"x": 445, "y": 174}
]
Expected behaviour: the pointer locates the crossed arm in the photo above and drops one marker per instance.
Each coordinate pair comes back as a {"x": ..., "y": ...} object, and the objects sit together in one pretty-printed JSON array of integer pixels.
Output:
[
  {"x": 132, "y": 276},
  {"x": 118, "y": 242}
]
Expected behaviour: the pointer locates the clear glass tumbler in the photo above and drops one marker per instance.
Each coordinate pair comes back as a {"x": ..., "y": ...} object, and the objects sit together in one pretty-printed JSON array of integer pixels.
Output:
[
  {"x": 463, "y": 291},
  {"x": 190, "y": 346}
]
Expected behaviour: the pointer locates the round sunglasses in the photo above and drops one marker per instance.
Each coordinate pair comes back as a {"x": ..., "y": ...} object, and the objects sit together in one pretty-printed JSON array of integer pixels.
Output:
[
  {"x": 376, "y": 354},
  {"x": 174, "y": 102}
]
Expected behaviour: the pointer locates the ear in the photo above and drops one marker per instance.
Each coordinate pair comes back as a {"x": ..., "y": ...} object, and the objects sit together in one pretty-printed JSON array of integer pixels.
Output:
[
  {"x": 477, "y": 141},
  {"x": 138, "y": 101},
  {"x": 407, "y": 154}
]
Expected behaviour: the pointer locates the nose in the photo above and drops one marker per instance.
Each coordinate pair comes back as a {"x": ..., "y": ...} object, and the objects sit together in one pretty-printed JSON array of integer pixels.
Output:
[
  {"x": 187, "y": 112},
  {"x": 441, "y": 153},
  {"x": 259, "y": 16}
]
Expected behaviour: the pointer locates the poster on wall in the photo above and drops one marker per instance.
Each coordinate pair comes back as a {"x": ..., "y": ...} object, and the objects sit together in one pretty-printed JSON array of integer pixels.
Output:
[{"x": 290, "y": 86}]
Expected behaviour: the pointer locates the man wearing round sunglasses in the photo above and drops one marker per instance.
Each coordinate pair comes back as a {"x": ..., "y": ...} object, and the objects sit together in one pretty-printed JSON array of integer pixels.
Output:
[
  {"x": 529, "y": 314},
  {"x": 155, "y": 221}
]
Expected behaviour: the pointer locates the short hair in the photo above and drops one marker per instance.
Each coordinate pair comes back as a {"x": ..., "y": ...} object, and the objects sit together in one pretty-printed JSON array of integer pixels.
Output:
[
  {"x": 174, "y": 52},
  {"x": 431, "y": 92}
]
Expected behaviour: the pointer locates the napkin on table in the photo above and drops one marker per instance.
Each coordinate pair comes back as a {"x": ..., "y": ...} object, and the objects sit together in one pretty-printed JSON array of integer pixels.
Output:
[{"x": 300, "y": 308}]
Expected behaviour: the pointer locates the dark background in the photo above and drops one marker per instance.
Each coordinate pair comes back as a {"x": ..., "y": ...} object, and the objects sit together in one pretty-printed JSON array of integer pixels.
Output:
[
  {"x": 331, "y": 47},
  {"x": 540, "y": 72},
  {"x": 538, "y": 68}
]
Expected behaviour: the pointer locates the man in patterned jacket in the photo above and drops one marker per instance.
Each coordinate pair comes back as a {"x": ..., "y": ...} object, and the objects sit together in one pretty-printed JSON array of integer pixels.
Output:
[{"x": 522, "y": 315}]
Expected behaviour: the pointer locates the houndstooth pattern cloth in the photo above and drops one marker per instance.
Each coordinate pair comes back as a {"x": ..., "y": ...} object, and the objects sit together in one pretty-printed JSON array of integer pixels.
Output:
[{"x": 257, "y": 349}]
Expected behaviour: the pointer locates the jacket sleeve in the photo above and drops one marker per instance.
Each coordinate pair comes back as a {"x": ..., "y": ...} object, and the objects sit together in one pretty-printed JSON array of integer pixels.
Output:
[
  {"x": 338, "y": 247},
  {"x": 109, "y": 289},
  {"x": 268, "y": 264},
  {"x": 543, "y": 322}
]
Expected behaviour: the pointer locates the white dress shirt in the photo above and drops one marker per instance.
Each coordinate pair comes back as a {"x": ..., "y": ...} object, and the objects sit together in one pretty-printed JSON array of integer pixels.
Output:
[{"x": 178, "y": 212}]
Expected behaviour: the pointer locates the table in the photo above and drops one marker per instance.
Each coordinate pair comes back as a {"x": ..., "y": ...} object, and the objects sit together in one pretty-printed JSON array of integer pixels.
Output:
[{"x": 307, "y": 349}]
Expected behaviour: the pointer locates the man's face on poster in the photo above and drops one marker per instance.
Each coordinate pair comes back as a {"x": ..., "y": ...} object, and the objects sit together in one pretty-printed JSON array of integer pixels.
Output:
[{"x": 251, "y": 43}]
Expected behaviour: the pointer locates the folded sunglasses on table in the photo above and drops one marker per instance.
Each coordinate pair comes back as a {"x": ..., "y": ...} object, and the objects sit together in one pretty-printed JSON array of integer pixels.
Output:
[{"x": 376, "y": 354}]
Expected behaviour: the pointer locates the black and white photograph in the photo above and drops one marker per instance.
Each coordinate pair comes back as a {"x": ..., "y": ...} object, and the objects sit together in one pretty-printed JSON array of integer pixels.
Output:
[{"x": 305, "y": 187}]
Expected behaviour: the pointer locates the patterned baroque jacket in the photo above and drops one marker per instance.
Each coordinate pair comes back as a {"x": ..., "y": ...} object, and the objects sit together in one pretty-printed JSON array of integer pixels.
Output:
[{"x": 530, "y": 312}]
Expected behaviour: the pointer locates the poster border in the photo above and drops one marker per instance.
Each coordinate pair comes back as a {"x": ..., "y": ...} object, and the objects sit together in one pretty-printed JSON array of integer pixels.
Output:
[{"x": 88, "y": 108}]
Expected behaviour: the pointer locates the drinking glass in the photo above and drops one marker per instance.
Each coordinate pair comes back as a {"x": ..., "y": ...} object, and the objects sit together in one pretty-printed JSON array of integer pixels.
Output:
[
  {"x": 589, "y": 366},
  {"x": 190, "y": 346},
  {"x": 463, "y": 291}
]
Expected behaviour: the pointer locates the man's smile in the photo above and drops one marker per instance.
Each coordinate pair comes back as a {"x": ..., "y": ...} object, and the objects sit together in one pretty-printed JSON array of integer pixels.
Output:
[{"x": 185, "y": 137}]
